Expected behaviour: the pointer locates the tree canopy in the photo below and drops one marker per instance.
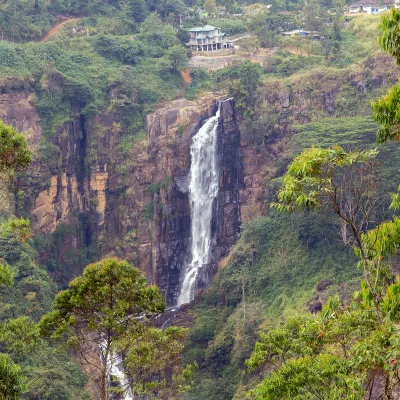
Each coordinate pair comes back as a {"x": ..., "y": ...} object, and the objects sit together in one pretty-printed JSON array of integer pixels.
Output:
[
  {"x": 350, "y": 349},
  {"x": 14, "y": 152},
  {"x": 109, "y": 305}
]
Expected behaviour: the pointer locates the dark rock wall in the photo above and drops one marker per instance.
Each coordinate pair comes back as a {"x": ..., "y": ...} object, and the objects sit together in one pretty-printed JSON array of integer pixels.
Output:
[{"x": 227, "y": 219}]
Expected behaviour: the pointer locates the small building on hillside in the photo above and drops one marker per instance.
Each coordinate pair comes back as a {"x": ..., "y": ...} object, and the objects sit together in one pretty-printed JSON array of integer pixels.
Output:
[
  {"x": 302, "y": 32},
  {"x": 371, "y": 6},
  {"x": 208, "y": 38}
]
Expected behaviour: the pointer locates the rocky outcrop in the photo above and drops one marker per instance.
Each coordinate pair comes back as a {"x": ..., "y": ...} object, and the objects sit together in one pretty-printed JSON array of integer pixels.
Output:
[{"x": 228, "y": 220}]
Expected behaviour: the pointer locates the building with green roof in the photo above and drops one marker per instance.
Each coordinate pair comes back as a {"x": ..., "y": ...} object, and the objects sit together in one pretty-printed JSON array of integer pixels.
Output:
[{"x": 208, "y": 38}]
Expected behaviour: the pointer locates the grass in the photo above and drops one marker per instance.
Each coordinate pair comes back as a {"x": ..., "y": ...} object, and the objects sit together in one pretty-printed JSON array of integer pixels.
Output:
[{"x": 298, "y": 55}]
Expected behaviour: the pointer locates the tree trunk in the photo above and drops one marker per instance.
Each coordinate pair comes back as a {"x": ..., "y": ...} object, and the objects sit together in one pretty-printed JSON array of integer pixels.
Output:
[{"x": 104, "y": 383}]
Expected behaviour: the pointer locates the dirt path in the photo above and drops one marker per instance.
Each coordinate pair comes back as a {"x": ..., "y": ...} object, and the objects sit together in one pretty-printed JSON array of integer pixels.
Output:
[
  {"x": 186, "y": 76},
  {"x": 235, "y": 39},
  {"x": 57, "y": 27}
]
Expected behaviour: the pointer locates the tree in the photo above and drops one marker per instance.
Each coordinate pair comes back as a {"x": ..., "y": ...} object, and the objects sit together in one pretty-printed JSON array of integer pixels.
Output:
[
  {"x": 153, "y": 360},
  {"x": 183, "y": 35},
  {"x": 345, "y": 184},
  {"x": 155, "y": 33},
  {"x": 138, "y": 10},
  {"x": 244, "y": 88},
  {"x": 338, "y": 19},
  {"x": 175, "y": 58},
  {"x": 354, "y": 348},
  {"x": 125, "y": 18},
  {"x": 210, "y": 6},
  {"x": 338, "y": 181},
  {"x": 15, "y": 157},
  {"x": 268, "y": 27},
  {"x": 12, "y": 384},
  {"x": 14, "y": 152},
  {"x": 102, "y": 305},
  {"x": 107, "y": 308},
  {"x": 312, "y": 16},
  {"x": 249, "y": 45}
]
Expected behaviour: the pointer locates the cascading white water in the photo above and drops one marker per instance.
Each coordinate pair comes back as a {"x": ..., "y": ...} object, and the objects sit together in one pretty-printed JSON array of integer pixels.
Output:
[
  {"x": 116, "y": 372},
  {"x": 203, "y": 189}
]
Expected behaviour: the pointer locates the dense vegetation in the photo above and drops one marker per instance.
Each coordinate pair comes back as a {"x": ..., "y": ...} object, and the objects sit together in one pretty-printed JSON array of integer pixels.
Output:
[{"x": 126, "y": 57}]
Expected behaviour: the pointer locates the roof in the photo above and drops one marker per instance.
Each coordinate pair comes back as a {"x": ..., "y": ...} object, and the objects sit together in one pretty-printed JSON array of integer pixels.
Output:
[
  {"x": 206, "y": 28},
  {"x": 207, "y": 36}
]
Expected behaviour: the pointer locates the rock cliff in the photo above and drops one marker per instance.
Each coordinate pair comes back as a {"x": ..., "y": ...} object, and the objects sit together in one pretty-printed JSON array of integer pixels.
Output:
[
  {"x": 128, "y": 202},
  {"x": 94, "y": 191}
]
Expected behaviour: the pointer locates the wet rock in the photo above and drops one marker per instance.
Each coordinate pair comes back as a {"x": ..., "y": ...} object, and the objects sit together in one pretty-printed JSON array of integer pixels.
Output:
[
  {"x": 321, "y": 286},
  {"x": 315, "y": 307}
]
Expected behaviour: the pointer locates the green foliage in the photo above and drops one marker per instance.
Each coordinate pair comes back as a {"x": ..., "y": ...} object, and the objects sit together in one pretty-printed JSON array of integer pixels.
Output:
[
  {"x": 229, "y": 26},
  {"x": 156, "y": 187},
  {"x": 153, "y": 361},
  {"x": 243, "y": 88},
  {"x": 12, "y": 384},
  {"x": 14, "y": 153},
  {"x": 13, "y": 229},
  {"x": 310, "y": 176},
  {"x": 156, "y": 34},
  {"x": 26, "y": 292},
  {"x": 386, "y": 114},
  {"x": 363, "y": 333},
  {"x": 6, "y": 276},
  {"x": 308, "y": 377},
  {"x": 183, "y": 35},
  {"x": 52, "y": 374},
  {"x": 19, "y": 228},
  {"x": 390, "y": 33},
  {"x": 268, "y": 27},
  {"x": 96, "y": 301},
  {"x": 180, "y": 130},
  {"x": 123, "y": 49},
  {"x": 175, "y": 58},
  {"x": 277, "y": 261},
  {"x": 201, "y": 80},
  {"x": 32, "y": 291},
  {"x": 301, "y": 353},
  {"x": 19, "y": 335},
  {"x": 105, "y": 302},
  {"x": 24, "y": 20},
  {"x": 148, "y": 211}
]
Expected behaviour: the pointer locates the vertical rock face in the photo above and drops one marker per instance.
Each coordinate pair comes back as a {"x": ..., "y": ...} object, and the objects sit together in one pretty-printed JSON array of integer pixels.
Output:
[
  {"x": 225, "y": 223},
  {"x": 231, "y": 178},
  {"x": 131, "y": 204},
  {"x": 171, "y": 222},
  {"x": 227, "y": 220}
]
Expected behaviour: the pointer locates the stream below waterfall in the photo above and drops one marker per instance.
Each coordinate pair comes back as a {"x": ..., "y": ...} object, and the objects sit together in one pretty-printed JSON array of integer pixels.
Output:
[{"x": 203, "y": 189}]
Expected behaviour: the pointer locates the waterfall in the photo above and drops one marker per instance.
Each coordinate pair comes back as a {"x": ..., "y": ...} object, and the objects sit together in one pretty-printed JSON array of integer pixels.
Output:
[
  {"x": 116, "y": 374},
  {"x": 203, "y": 189}
]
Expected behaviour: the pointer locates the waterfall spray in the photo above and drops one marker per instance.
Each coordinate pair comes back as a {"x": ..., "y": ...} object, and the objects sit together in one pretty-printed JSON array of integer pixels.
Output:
[{"x": 203, "y": 189}]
